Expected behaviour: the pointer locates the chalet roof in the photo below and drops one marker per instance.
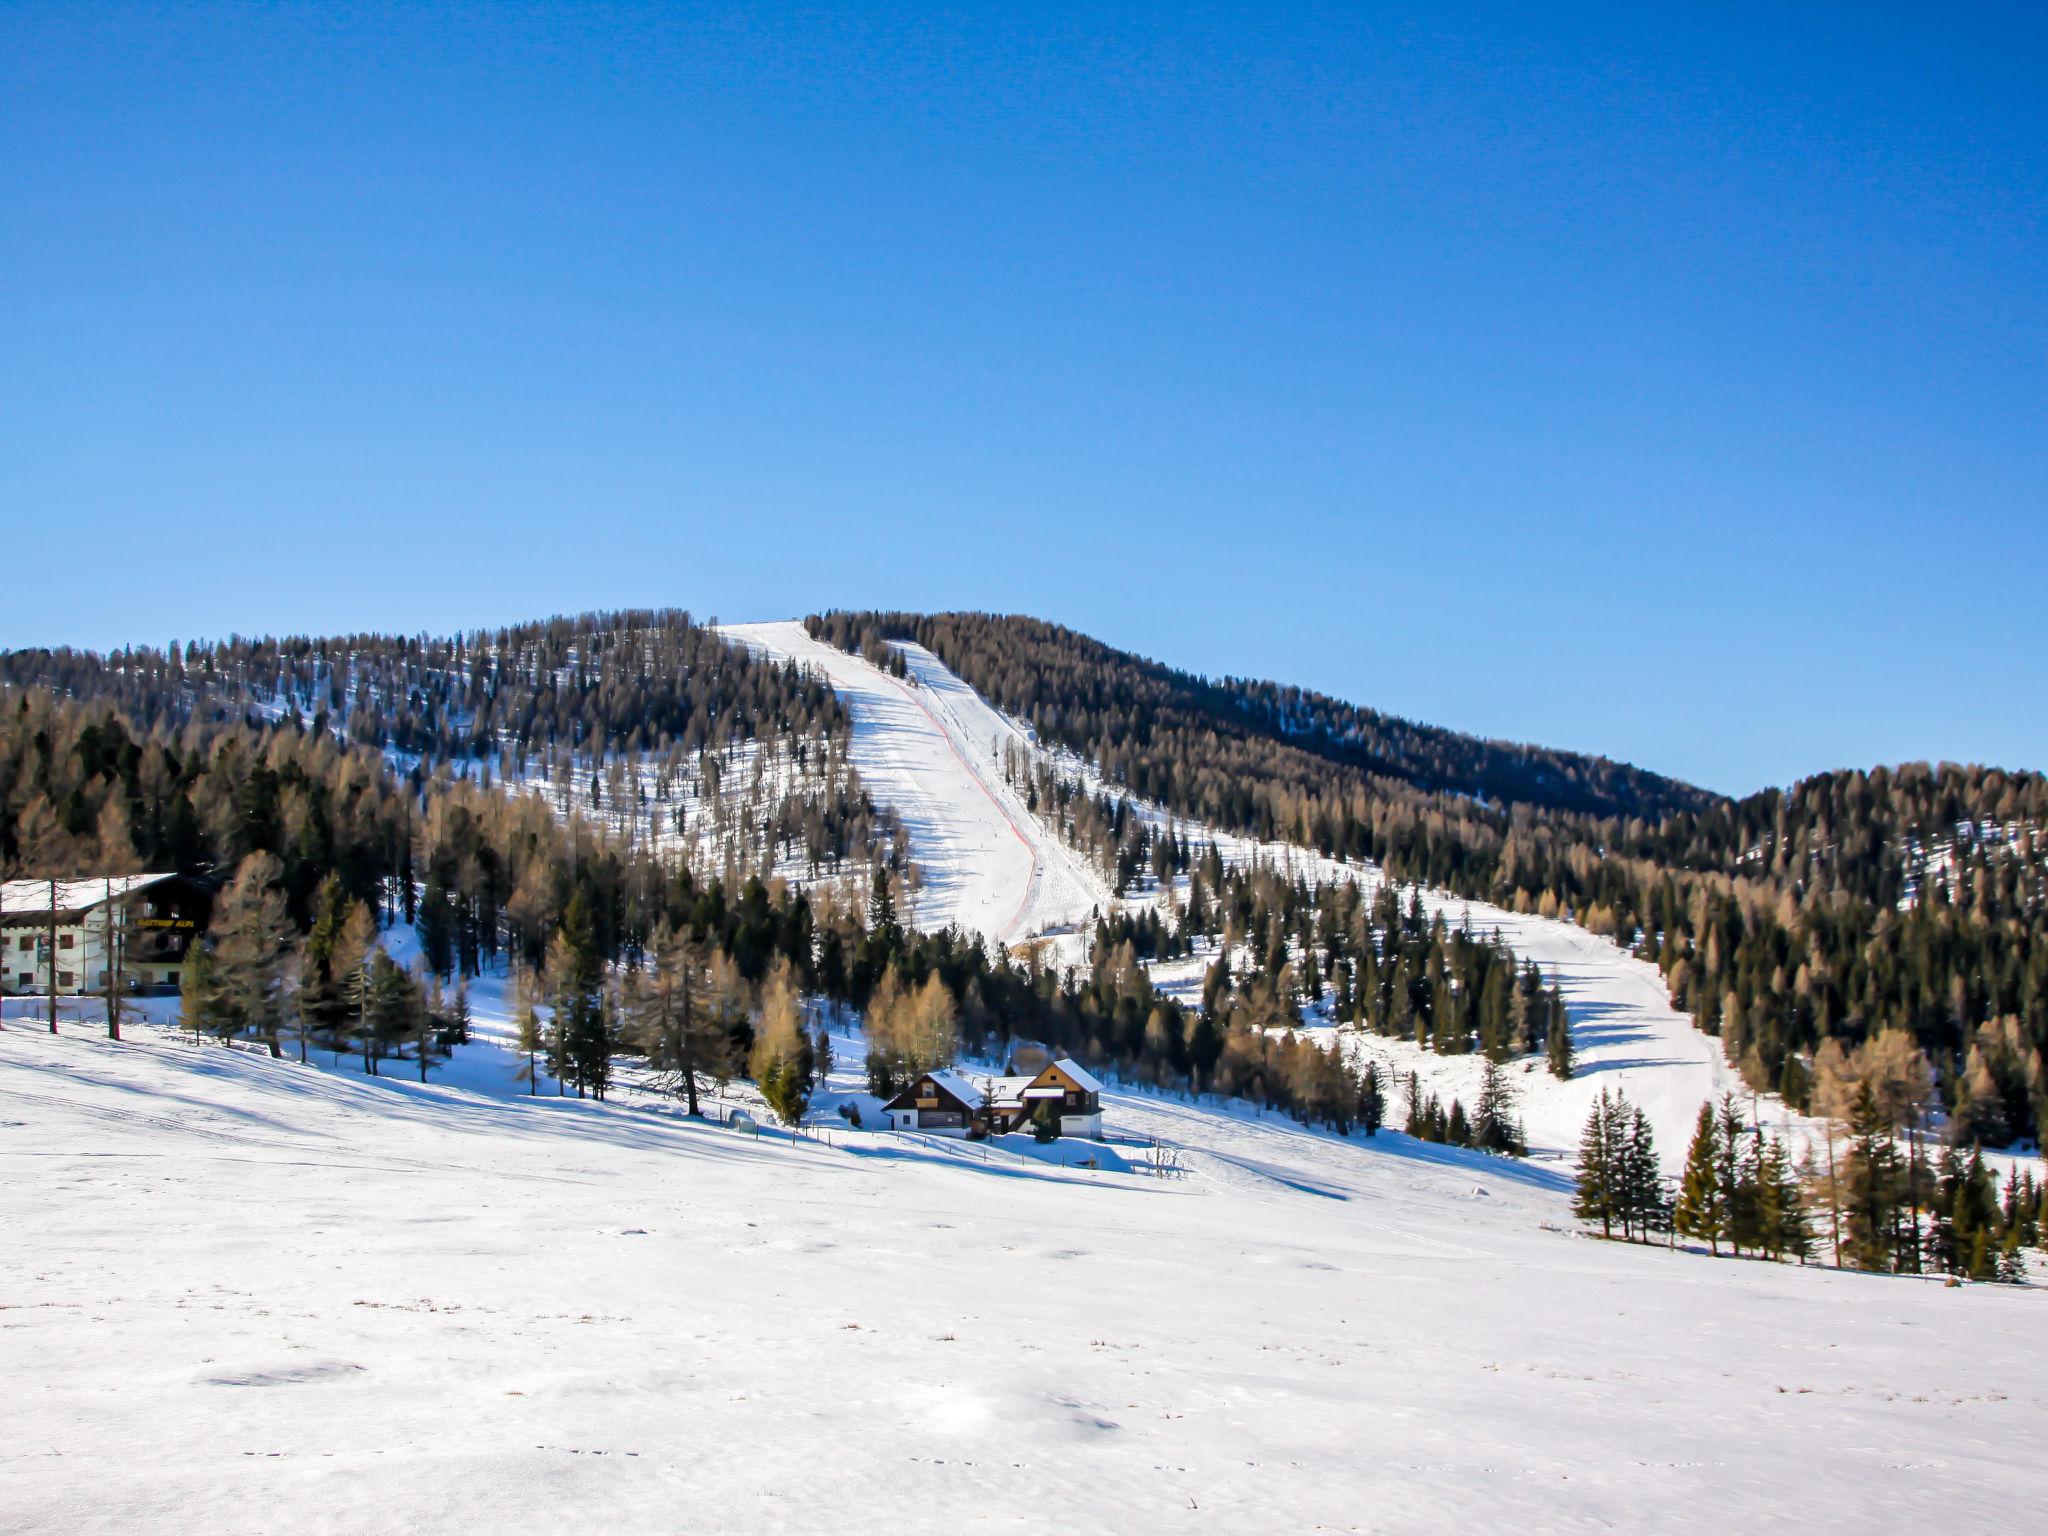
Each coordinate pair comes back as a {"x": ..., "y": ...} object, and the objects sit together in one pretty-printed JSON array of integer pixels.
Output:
[
  {"x": 953, "y": 1084},
  {"x": 31, "y": 898},
  {"x": 1083, "y": 1078},
  {"x": 959, "y": 1086},
  {"x": 1009, "y": 1090}
]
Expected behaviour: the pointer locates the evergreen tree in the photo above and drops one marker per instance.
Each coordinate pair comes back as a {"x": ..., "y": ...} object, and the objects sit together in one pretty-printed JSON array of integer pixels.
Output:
[
  {"x": 576, "y": 990},
  {"x": 1872, "y": 1186},
  {"x": 1494, "y": 1128},
  {"x": 1372, "y": 1103},
  {"x": 1735, "y": 1174},
  {"x": 1642, "y": 1177},
  {"x": 1558, "y": 1050},
  {"x": 1699, "y": 1212},
  {"x": 1595, "y": 1199}
]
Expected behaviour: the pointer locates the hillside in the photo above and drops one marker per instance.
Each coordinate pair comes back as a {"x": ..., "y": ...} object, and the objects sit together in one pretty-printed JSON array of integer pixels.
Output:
[
  {"x": 287, "y": 1295},
  {"x": 1853, "y": 904}
]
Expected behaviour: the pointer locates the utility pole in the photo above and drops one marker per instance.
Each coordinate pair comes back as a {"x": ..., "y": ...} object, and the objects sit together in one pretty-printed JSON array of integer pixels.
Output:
[
  {"x": 53, "y": 954},
  {"x": 113, "y": 933}
]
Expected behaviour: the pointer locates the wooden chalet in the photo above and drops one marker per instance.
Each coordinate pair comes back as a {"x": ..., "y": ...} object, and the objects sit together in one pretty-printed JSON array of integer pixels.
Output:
[
  {"x": 948, "y": 1100},
  {"x": 939, "y": 1100}
]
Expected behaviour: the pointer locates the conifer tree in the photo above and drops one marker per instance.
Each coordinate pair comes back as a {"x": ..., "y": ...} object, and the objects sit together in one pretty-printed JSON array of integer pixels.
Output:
[
  {"x": 1698, "y": 1212},
  {"x": 781, "y": 1059},
  {"x": 1372, "y": 1103},
  {"x": 1735, "y": 1174},
  {"x": 252, "y": 935},
  {"x": 671, "y": 1015},
  {"x": 1595, "y": 1197},
  {"x": 1494, "y": 1128},
  {"x": 1642, "y": 1179},
  {"x": 1558, "y": 1051},
  {"x": 526, "y": 1026},
  {"x": 1872, "y": 1186}
]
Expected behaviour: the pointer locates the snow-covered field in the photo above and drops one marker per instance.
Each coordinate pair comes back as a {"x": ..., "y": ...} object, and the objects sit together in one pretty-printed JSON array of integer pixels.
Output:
[{"x": 239, "y": 1295}]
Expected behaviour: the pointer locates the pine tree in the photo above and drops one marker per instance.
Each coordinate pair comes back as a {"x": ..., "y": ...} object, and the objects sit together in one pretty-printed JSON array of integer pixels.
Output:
[
  {"x": 1871, "y": 1186},
  {"x": 1595, "y": 1198},
  {"x": 437, "y": 924},
  {"x": 199, "y": 992},
  {"x": 1698, "y": 1212},
  {"x": 1780, "y": 1215},
  {"x": 582, "y": 1035},
  {"x": 1558, "y": 1049},
  {"x": 1735, "y": 1173},
  {"x": 1494, "y": 1128},
  {"x": 1457, "y": 1129},
  {"x": 1372, "y": 1103},
  {"x": 1642, "y": 1177}
]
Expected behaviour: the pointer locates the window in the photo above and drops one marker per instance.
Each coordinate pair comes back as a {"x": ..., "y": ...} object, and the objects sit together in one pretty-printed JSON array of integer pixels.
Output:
[
  {"x": 64, "y": 940},
  {"x": 27, "y": 941},
  {"x": 66, "y": 979}
]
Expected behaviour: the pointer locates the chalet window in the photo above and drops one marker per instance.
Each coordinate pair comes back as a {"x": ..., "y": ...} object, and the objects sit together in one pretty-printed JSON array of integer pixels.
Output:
[{"x": 64, "y": 940}]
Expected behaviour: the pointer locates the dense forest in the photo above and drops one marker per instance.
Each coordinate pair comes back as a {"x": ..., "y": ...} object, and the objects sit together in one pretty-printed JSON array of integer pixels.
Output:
[
  {"x": 317, "y": 842},
  {"x": 648, "y": 721},
  {"x": 1851, "y": 905}
]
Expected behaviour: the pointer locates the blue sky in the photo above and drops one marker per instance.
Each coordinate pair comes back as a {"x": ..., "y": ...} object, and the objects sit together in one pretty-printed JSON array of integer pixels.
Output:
[{"x": 1658, "y": 381}]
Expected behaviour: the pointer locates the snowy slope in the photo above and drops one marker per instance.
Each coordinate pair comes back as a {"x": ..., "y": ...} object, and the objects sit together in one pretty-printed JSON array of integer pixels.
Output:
[
  {"x": 933, "y": 753},
  {"x": 246, "y": 1295},
  {"x": 924, "y": 751}
]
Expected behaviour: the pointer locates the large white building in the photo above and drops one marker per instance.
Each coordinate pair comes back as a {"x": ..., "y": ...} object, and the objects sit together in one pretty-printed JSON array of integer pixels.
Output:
[{"x": 145, "y": 924}]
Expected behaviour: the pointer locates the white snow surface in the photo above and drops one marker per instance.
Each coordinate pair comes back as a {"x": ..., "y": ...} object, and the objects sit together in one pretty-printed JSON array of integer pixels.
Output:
[
  {"x": 239, "y": 1294},
  {"x": 928, "y": 753}
]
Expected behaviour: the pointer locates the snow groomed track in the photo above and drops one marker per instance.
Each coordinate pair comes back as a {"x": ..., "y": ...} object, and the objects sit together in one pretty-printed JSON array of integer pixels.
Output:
[{"x": 931, "y": 752}]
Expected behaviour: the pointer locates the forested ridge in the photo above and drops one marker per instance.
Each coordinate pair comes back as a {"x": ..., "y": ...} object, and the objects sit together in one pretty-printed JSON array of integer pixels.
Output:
[
  {"x": 1850, "y": 905},
  {"x": 627, "y": 681}
]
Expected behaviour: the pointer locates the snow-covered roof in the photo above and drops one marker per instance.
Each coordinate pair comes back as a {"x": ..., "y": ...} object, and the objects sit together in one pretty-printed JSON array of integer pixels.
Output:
[
  {"x": 957, "y": 1085},
  {"x": 1009, "y": 1090},
  {"x": 22, "y": 898},
  {"x": 1083, "y": 1078}
]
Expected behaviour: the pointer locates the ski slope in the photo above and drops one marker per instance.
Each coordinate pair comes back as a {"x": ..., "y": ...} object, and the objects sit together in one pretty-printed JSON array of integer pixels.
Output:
[
  {"x": 925, "y": 752},
  {"x": 246, "y": 1295},
  {"x": 933, "y": 753}
]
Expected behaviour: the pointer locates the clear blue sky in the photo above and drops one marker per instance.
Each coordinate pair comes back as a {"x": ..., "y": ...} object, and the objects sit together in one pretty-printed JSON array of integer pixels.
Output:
[{"x": 1664, "y": 382}]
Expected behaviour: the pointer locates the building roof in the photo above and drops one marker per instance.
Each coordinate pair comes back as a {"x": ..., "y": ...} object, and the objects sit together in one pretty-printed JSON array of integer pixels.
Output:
[
  {"x": 1009, "y": 1090},
  {"x": 953, "y": 1084},
  {"x": 957, "y": 1085},
  {"x": 1083, "y": 1078},
  {"x": 31, "y": 898}
]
